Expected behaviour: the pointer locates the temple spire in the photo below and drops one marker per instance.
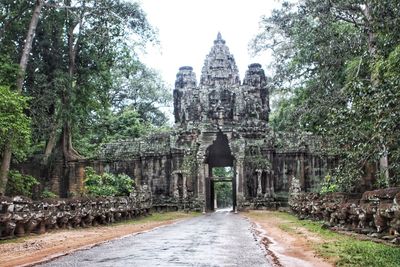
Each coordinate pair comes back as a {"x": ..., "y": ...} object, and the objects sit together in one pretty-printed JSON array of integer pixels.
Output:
[
  {"x": 219, "y": 39},
  {"x": 219, "y": 66}
]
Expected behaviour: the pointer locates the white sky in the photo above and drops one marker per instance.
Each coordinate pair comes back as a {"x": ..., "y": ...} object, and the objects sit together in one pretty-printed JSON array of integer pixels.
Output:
[{"x": 187, "y": 29}]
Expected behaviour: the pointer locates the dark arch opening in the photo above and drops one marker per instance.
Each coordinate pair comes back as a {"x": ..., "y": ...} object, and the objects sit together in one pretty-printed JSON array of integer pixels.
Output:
[{"x": 219, "y": 155}]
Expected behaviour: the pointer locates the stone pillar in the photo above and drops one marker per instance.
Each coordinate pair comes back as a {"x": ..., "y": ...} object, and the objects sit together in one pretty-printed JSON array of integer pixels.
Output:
[
  {"x": 56, "y": 178},
  {"x": 240, "y": 176},
  {"x": 80, "y": 176},
  {"x": 302, "y": 172},
  {"x": 259, "y": 187},
  {"x": 202, "y": 173},
  {"x": 271, "y": 184},
  {"x": 137, "y": 172},
  {"x": 175, "y": 186},
  {"x": 239, "y": 182},
  {"x": 268, "y": 184},
  {"x": 71, "y": 165},
  {"x": 184, "y": 189},
  {"x": 215, "y": 201},
  {"x": 150, "y": 173}
]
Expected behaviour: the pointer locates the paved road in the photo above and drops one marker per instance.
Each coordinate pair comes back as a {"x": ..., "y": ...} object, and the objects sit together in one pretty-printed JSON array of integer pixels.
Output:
[{"x": 215, "y": 239}]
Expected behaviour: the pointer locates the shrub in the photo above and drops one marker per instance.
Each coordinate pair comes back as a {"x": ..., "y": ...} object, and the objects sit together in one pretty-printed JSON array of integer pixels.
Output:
[
  {"x": 329, "y": 185},
  {"x": 48, "y": 194},
  {"x": 20, "y": 184},
  {"x": 107, "y": 184}
]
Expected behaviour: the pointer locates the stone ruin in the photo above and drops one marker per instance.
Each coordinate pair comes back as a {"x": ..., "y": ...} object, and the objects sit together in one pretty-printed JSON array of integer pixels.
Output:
[
  {"x": 222, "y": 121},
  {"x": 20, "y": 216},
  {"x": 376, "y": 213}
]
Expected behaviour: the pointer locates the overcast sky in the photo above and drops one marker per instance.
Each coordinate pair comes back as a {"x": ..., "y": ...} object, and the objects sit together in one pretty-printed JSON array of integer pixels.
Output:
[{"x": 187, "y": 29}]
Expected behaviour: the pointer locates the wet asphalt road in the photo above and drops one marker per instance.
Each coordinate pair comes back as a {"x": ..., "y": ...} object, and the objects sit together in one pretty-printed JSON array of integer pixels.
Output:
[{"x": 215, "y": 239}]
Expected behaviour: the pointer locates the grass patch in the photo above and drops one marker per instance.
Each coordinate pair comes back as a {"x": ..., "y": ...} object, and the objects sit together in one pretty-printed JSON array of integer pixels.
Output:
[
  {"x": 14, "y": 240},
  {"x": 343, "y": 250}
]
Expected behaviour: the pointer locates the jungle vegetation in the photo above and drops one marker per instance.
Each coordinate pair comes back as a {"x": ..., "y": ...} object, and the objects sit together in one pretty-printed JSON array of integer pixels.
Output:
[
  {"x": 71, "y": 78},
  {"x": 336, "y": 74}
]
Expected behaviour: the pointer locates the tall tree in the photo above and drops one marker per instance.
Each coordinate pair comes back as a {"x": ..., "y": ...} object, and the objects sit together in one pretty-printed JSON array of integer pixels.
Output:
[
  {"x": 328, "y": 59},
  {"x": 7, "y": 151},
  {"x": 76, "y": 67},
  {"x": 96, "y": 34}
]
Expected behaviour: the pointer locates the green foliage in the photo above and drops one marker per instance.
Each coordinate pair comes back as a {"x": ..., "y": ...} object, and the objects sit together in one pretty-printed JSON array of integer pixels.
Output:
[
  {"x": 107, "y": 94},
  {"x": 14, "y": 124},
  {"x": 329, "y": 185},
  {"x": 124, "y": 125},
  {"x": 48, "y": 194},
  {"x": 19, "y": 184},
  {"x": 190, "y": 161},
  {"x": 107, "y": 184},
  {"x": 141, "y": 89},
  {"x": 223, "y": 190},
  {"x": 336, "y": 74},
  {"x": 8, "y": 71},
  {"x": 222, "y": 172},
  {"x": 258, "y": 162}
]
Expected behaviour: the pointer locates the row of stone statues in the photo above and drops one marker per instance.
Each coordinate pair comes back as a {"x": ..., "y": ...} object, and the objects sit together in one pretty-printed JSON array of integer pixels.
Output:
[
  {"x": 21, "y": 216},
  {"x": 376, "y": 213}
]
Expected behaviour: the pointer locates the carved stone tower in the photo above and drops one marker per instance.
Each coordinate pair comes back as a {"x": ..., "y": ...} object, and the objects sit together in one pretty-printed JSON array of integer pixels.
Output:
[
  {"x": 220, "y": 99},
  {"x": 224, "y": 116}
]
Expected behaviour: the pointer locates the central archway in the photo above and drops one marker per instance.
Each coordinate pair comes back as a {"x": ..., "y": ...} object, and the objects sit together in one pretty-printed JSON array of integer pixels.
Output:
[{"x": 219, "y": 155}]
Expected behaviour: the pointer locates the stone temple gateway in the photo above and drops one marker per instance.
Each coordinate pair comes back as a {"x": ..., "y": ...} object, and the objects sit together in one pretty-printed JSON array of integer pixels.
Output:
[{"x": 220, "y": 122}]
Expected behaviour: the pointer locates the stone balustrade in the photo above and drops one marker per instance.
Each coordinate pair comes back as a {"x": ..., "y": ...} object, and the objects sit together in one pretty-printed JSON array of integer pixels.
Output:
[
  {"x": 376, "y": 213},
  {"x": 21, "y": 216}
]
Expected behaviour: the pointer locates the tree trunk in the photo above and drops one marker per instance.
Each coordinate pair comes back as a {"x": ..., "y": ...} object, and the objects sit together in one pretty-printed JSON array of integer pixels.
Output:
[
  {"x": 7, "y": 153},
  {"x": 28, "y": 44},
  {"x": 68, "y": 150},
  {"x": 52, "y": 142},
  {"x": 5, "y": 167},
  {"x": 373, "y": 52}
]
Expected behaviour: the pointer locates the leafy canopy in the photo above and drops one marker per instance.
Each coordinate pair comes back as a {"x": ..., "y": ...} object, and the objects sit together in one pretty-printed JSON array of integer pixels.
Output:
[
  {"x": 336, "y": 74},
  {"x": 14, "y": 123}
]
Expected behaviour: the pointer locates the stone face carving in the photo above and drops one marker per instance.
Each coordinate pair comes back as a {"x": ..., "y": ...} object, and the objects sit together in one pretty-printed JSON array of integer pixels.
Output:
[{"x": 219, "y": 98}]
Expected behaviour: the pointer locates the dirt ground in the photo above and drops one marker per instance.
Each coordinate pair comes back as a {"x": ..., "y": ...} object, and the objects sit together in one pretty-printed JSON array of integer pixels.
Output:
[
  {"x": 285, "y": 248},
  {"x": 37, "y": 248}
]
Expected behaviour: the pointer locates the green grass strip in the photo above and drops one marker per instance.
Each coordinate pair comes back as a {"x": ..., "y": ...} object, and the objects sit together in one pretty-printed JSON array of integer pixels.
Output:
[{"x": 345, "y": 250}]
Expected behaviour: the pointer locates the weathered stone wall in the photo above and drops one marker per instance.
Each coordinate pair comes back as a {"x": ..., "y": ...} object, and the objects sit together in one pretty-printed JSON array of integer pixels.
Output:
[
  {"x": 376, "y": 213},
  {"x": 220, "y": 122},
  {"x": 21, "y": 216},
  {"x": 268, "y": 186}
]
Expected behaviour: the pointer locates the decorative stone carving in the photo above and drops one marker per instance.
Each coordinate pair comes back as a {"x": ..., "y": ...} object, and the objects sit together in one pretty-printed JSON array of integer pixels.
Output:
[
  {"x": 20, "y": 216},
  {"x": 376, "y": 213}
]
